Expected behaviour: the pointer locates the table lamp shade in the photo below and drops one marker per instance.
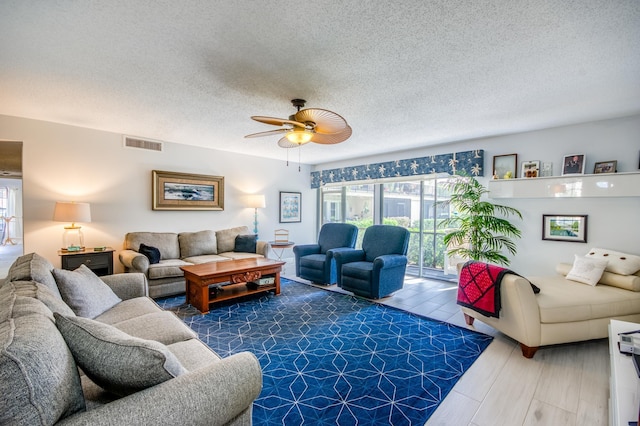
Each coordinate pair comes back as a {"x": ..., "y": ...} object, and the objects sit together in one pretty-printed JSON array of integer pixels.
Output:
[
  {"x": 256, "y": 201},
  {"x": 72, "y": 238}
]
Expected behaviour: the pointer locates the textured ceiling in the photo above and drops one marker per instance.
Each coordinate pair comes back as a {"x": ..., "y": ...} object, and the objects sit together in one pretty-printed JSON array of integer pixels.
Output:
[{"x": 404, "y": 74}]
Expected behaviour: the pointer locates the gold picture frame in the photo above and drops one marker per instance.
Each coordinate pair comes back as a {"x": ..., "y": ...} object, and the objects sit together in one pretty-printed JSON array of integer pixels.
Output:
[{"x": 186, "y": 191}]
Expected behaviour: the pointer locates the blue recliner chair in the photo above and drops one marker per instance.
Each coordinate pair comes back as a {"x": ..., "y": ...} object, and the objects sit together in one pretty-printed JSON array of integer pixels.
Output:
[
  {"x": 378, "y": 269},
  {"x": 314, "y": 262}
]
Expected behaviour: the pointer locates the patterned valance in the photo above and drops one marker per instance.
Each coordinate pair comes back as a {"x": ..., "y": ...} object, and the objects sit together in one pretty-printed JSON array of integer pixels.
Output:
[{"x": 467, "y": 162}]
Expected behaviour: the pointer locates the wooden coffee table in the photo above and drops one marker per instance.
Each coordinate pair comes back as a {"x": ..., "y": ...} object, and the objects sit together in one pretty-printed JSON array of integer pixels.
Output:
[{"x": 233, "y": 276}]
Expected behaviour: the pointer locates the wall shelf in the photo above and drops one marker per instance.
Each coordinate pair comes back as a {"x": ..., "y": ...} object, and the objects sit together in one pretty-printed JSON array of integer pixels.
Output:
[{"x": 572, "y": 186}]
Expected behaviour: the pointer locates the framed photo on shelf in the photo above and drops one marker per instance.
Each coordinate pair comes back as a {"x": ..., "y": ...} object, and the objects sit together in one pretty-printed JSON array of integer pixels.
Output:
[
  {"x": 186, "y": 191},
  {"x": 605, "y": 167},
  {"x": 290, "y": 207},
  {"x": 530, "y": 169},
  {"x": 573, "y": 164},
  {"x": 557, "y": 227},
  {"x": 505, "y": 166}
]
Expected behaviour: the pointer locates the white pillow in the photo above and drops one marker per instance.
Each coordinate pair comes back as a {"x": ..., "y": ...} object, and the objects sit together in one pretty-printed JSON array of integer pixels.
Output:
[
  {"x": 617, "y": 262},
  {"x": 586, "y": 270}
]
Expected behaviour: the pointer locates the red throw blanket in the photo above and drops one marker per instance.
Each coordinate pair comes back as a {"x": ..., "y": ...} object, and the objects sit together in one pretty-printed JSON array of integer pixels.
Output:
[{"x": 479, "y": 287}]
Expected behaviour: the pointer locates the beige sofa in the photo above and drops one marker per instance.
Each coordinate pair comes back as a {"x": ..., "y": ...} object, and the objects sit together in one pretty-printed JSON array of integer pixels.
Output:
[
  {"x": 564, "y": 310},
  {"x": 51, "y": 324},
  {"x": 187, "y": 248}
]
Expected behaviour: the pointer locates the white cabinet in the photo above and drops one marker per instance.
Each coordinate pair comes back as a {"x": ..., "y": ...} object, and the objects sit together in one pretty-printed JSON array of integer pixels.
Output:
[
  {"x": 600, "y": 185},
  {"x": 624, "y": 384}
]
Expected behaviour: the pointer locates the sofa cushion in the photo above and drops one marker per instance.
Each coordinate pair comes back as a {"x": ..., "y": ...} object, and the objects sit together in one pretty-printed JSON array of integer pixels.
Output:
[
  {"x": 232, "y": 255},
  {"x": 245, "y": 243},
  {"x": 617, "y": 262},
  {"x": 197, "y": 243},
  {"x": 167, "y": 268},
  {"x": 152, "y": 253},
  {"x": 163, "y": 327},
  {"x": 226, "y": 238},
  {"x": 166, "y": 242},
  {"x": 34, "y": 267},
  {"x": 85, "y": 293},
  {"x": 39, "y": 380},
  {"x": 586, "y": 270},
  {"x": 563, "y": 301},
  {"x": 205, "y": 258},
  {"x": 119, "y": 363},
  {"x": 127, "y": 309},
  {"x": 43, "y": 294}
]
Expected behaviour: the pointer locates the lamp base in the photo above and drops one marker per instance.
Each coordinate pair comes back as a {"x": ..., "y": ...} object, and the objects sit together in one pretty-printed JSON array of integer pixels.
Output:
[{"x": 73, "y": 238}]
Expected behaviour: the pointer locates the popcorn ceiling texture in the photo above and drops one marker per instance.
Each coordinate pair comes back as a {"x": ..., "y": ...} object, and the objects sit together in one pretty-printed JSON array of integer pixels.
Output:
[{"x": 404, "y": 74}]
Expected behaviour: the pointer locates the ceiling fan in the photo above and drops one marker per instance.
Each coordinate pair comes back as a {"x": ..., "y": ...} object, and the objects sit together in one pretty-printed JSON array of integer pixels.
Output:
[{"x": 307, "y": 125}]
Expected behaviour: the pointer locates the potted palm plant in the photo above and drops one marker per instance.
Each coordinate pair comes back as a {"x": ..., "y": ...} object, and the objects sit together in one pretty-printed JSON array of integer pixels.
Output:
[{"x": 475, "y": 231}]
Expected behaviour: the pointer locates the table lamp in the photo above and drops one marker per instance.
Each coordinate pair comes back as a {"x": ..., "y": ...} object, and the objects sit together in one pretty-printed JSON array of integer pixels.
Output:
[
  {"x": 69, "y": 211},
  {"x": 256, "y": 201}
]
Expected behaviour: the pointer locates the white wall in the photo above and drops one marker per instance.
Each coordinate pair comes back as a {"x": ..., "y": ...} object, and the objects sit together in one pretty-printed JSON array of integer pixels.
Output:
[
  {"x": 66, "y": 163},
  {"x": 613, "y": 223}
]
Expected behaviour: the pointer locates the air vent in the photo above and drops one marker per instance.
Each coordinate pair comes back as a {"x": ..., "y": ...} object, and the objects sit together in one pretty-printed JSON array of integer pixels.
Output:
[{"x": 130, "y": 142}]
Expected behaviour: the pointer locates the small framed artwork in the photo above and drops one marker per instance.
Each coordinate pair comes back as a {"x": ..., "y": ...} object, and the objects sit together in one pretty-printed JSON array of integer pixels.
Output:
[
  {"x": 505, "y": 166},
  {"x": 186, "y": 191},
  {"x": 546, "y": 169},
  {"x": 290, "y": 207},
  {"x": 557, "y": 227},
  {"x": 573, "y": 164},
  {"x": 530, "y": 169},
  {"x": 605, "y": 167}
]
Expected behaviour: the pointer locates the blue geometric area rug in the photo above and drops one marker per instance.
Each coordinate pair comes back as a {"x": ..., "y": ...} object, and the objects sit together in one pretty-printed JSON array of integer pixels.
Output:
[{"x": 329, "y": 358}]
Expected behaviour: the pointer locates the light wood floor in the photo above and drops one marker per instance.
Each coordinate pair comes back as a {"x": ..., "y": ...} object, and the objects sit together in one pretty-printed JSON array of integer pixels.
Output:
[{"x": 561, "y": 385}]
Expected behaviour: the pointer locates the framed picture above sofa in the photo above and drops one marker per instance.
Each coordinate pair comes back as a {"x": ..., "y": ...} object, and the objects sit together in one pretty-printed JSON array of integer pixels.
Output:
[
  {"x": 290, "y": 207},
  {"x": 186, "y": 191},
  {"x": 557, "y": 227}
]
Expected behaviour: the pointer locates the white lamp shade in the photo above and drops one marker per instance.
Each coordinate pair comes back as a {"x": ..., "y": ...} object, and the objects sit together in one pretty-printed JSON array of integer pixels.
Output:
[
  {"x": 68, "y": 211},
  {"x": 256, "y": 201}
]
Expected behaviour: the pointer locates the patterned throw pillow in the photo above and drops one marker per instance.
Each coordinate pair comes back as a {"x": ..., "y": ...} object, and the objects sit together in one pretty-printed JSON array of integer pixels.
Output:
[
  {"x": 85, "y": 293},
  {"x": 114, "y": 360},
  {"x": 586, "y": 270}
]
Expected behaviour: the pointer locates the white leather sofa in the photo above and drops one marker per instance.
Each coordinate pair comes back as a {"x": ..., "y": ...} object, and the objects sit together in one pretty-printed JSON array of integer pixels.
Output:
[{"x": 564, "y": 311}]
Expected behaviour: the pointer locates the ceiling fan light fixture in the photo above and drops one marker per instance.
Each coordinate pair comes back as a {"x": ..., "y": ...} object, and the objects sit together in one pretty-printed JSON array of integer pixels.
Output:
[{"x": 299, "y": 137}]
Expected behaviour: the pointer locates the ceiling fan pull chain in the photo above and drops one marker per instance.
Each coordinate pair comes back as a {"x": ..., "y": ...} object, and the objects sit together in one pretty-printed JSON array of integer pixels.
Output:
[{"x": 298, "y": 158}]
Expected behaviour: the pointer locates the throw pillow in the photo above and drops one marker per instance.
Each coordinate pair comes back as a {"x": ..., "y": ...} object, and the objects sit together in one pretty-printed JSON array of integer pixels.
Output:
[
  {"x": 586, "y": 270},
  {"x": 117, "y": 362},
  {"x": 152, "y": 253},
  {"x": 85, "y": 293},
  {"x": 617, "y": 262},
  {"x": 245, "y": 243}
]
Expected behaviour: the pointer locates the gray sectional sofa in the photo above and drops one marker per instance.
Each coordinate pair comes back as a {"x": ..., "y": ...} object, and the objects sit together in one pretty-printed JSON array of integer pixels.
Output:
[
  {"x": 165, "y": 277},
  {"x": 76, "y": 349}
]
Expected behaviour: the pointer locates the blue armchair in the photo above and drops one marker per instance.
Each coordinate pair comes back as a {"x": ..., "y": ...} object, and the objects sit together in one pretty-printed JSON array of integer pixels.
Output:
[
  {"x": 314, "y": 262},
  {"x": 378, "y": 269}
]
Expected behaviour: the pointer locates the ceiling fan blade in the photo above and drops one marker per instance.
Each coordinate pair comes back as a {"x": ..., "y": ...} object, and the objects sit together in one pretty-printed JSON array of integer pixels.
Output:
[
  {"x": 268, "y": 133},
  {"x": 325, "y": 121},
  {"x": 286, "y": 143},
  {"x": 276, "y": 121},
  {"x": 332, "y": 138}
]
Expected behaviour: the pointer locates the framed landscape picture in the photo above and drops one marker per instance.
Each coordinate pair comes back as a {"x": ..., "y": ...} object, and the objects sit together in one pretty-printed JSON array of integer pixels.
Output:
[
  {"x": 290, "y": 207},
  {"x": 557, "y": 227},
  {"x": 186, "y": 191}
]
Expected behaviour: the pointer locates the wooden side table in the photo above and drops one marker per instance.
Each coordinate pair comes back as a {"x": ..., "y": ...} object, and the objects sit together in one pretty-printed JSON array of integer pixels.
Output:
[
  {"x": 282, "y": 246},
  {"x": 100, "y": 262}
]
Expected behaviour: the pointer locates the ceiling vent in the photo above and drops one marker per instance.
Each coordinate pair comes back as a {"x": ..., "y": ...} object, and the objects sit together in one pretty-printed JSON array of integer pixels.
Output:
[{"x": 131, "y": 142}]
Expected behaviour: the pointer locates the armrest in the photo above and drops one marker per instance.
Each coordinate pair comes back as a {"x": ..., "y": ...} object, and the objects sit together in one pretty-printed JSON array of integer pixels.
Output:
[
  {"x": 127, "y": 286},
  {"x": 211, "y": 395},
  {"x": 306, "y": 249},
  {"x": 520, "y": 314},
  {"x": 262, "y": 247},
  {"x": 389, "y": 261},
  {"x": 134, "y": 261},
  {"x": 348, "y": 255}
]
